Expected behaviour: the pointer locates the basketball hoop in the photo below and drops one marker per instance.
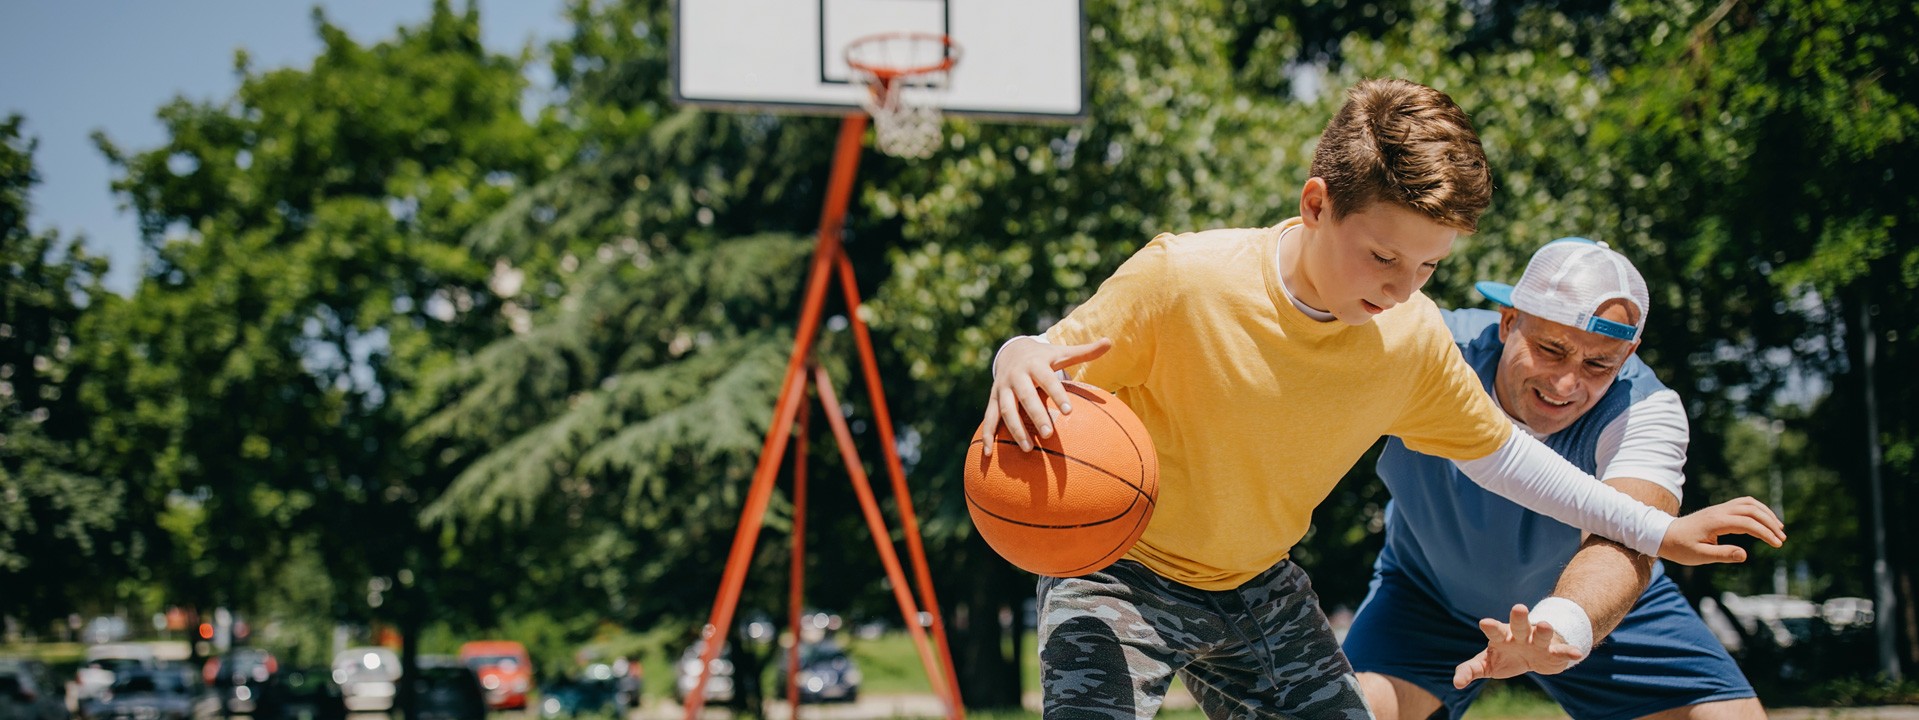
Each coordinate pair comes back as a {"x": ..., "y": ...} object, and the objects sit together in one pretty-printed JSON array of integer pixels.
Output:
[{"x": 888, "y": 63}]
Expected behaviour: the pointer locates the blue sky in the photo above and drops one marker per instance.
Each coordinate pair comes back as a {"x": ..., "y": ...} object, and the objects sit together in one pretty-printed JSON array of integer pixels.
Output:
[{"x": 75, "y": 66}]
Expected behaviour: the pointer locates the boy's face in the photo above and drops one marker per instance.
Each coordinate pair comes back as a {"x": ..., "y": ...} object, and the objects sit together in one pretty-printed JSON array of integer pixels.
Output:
[
  {"x": 1551, "y": 374},
  {"x": 1370, "y": 260}
]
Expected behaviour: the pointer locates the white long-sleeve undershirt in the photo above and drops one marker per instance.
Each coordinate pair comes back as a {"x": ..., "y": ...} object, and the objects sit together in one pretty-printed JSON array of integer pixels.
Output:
[{"x": 1527, "y": 472}]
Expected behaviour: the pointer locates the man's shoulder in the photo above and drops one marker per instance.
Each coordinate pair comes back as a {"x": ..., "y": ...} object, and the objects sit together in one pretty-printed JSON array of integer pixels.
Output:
[
  {"x": 1469, "y": 324},
  {"x": 1638, "y": 380}
]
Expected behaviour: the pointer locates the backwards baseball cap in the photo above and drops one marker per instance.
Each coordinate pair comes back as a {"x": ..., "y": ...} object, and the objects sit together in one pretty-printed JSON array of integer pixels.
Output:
[{"x": 1568, "y": 280}]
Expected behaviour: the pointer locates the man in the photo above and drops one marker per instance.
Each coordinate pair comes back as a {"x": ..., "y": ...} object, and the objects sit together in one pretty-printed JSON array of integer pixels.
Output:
[
  {"x": 1265, "y": 362},
  {"x": 1558, "y": 358}
]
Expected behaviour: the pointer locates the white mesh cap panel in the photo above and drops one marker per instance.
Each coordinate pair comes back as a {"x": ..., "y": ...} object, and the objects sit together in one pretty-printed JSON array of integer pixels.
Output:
[{"x": 1569, "y": 279}]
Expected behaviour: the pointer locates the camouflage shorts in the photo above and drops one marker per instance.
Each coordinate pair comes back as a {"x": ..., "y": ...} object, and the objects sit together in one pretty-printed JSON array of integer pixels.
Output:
[{"x": 1110, "y": 642}]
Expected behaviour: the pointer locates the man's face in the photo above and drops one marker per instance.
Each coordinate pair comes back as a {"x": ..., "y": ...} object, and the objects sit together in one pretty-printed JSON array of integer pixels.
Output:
[
  {"x": 1372, "y": 259},
  {"x": 1551, "y": 374}
]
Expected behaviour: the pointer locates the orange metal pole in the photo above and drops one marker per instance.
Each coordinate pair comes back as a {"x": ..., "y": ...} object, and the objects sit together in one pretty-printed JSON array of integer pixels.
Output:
[
  {"x": 909, "y": 520},
  {"x": 832, "y": 220},
  {"x": 797, "y": 581},
  {"x": 882, "y": 537},
  {"x": 744, "y": 538}
]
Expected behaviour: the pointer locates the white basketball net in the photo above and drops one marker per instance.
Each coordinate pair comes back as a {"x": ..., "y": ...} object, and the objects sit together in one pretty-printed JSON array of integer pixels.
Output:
[{"x": 902, "y": 126}]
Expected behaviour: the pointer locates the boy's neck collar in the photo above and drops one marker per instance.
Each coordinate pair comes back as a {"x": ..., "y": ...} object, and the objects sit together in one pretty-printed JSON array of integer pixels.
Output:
[{"x": 1292, "y": 270}]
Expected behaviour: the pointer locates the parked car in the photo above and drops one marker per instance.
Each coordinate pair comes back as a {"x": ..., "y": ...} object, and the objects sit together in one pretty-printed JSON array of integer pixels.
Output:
[
  {"x": 631, "y": 679},
  {"x": 448, "y": 690},
  {"x": 301, "y": 694},
  {"x": 102, "y": 663},
  {"x": 505, "y": 670},
  {"x": 155, "y": 693},
  {"x": 367, "y": 677},
  {"x": 105, "y": 629},
  {"x": 28, "y": 691},
  {"x": 827, "y": 673},
  {"x": 720, "y": 687},
  {"x": 576, "y": 697},
  {"x": 239, "y": 677}
]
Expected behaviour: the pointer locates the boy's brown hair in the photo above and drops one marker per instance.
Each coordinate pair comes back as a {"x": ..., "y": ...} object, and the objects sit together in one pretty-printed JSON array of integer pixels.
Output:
[{"x": 1407, "y": 144}]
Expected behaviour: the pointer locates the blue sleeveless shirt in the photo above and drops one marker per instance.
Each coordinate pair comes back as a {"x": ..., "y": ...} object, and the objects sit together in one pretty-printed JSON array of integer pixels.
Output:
[{"x": 1474, "y": 551}]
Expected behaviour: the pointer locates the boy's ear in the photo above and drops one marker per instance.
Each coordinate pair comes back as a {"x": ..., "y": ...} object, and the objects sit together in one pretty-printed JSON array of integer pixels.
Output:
[{"x": 1315, "y": 203}]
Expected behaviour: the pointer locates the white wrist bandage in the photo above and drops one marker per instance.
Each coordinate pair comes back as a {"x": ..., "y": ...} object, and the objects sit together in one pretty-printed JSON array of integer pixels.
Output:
[{"x": 1569, "y": 620}]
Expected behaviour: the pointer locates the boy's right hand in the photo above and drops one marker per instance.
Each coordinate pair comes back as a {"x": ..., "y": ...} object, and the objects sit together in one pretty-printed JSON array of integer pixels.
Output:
[
  {"x": 1024, "y": 367},
  {"x": 1694, "y": 539}
]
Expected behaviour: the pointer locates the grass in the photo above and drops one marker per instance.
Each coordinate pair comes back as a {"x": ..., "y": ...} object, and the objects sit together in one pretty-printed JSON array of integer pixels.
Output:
[
  {"x": 1514, "y": 699},
  {"x": 891, "y": 666},
  {"x": 52, "y": 653}
]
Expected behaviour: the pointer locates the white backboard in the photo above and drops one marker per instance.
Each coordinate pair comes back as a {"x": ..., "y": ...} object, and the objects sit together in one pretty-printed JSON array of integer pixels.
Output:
[{"x": 1019, "y": 59}]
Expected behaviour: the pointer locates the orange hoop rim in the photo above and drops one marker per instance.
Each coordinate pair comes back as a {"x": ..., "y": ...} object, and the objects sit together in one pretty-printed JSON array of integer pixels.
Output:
[{"x": 885, "y": 73}]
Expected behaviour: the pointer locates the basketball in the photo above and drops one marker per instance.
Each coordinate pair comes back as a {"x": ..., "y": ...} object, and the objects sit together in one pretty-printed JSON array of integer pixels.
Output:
[{"x": 1078, "y": 500}]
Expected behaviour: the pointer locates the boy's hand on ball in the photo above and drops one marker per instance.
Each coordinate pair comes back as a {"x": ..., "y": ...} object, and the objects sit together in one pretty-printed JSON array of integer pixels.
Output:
[
  {"x": 1026, "y": 368},
  {"x": 1694, "y": 539}
]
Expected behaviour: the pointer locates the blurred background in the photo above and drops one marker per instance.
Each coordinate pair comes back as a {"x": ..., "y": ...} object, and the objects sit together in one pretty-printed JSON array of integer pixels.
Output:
[{"x": 369, "y": 351}]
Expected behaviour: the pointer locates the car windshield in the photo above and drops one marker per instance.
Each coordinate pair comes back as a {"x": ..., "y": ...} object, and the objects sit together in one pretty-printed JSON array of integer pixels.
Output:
[
  {"x": 812, "y": 654},
  {"x": 246, "y": 659},
  {"x": 365, "y": 665},
  {"x": 593, "y": 692},
  {"x": 149, "y": 683},
  {"x": 443, "y": 677},
  {"x": 698, "y": 647},
  {"x": 504, "y": 662},
  {"x": 304, "y": 681}
]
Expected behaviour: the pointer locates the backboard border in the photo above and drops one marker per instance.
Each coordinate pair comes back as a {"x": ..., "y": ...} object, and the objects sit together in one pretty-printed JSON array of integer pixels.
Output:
[{"x": 834, "y": 110}]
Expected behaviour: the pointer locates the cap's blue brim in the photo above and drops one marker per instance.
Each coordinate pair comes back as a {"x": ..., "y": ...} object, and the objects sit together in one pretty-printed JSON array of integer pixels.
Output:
[{"x": 1497, "y": 292}]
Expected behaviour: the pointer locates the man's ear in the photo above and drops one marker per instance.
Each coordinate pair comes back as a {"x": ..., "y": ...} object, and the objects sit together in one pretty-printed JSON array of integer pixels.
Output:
[
  {"x": 1315, "y": 203},
  {"x": 1508, "y": 317}
]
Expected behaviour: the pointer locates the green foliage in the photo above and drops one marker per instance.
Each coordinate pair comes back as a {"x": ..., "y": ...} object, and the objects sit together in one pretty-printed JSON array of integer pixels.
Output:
[
  {"x": 56, "y": 505},
  {"x": 517, "y": 371},
  {"x": 308, "y": 271},
  {"x": 1863, "y": 692}
]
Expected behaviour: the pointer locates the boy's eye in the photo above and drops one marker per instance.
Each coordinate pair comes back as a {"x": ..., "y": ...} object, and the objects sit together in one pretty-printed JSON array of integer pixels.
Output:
[{"x": 1382, "y": 260}]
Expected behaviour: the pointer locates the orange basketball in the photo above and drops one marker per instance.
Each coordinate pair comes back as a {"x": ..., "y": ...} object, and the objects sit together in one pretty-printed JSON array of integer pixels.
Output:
[{"x": 1078, "y": 500}]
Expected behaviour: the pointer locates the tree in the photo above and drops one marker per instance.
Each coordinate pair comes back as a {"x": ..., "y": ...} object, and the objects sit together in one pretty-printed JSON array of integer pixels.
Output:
[
  {"x": 57, "y": 507},
  {"x": 652, "y": 279},
  {"x": 1767, "y": 148},
  {"x": 308, "y": 274}
]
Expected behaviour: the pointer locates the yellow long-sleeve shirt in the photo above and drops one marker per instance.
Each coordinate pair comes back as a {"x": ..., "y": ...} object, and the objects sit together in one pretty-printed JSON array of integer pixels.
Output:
[{"x": 1255, "y": 408}]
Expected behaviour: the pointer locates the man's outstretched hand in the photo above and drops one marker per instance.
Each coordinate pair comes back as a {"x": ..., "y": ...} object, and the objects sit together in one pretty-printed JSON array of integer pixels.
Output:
[{"x": 1515, "y": 649}]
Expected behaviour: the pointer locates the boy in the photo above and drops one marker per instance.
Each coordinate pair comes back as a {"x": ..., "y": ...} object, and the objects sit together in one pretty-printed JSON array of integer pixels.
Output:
[{"x": 1264, "y": 362}]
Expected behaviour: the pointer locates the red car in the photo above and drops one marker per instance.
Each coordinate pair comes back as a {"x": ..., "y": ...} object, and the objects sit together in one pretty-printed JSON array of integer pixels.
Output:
[{"x": 505, "y": 670}]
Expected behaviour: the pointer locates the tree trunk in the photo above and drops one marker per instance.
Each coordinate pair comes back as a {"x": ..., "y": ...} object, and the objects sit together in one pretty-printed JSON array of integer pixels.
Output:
[
  {"x": 1909, "y": 650},
  {"x": 412, "y": 625},
  {"x": 748, "y": 666},
  {"x": 989, "y": 676}
]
